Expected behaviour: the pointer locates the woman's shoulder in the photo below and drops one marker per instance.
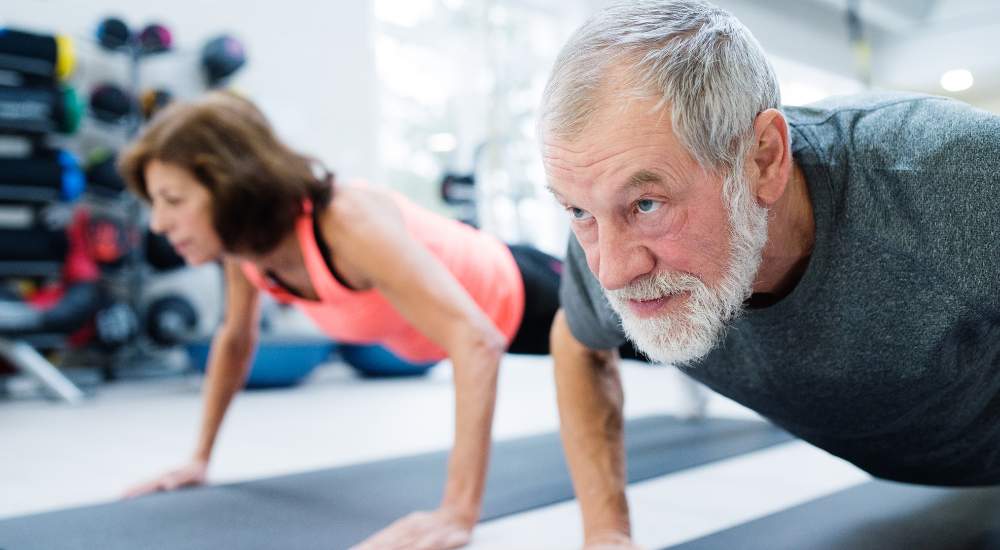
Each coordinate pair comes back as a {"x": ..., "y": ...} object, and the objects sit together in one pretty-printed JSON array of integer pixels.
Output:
[{"x": 357, "y": 204}]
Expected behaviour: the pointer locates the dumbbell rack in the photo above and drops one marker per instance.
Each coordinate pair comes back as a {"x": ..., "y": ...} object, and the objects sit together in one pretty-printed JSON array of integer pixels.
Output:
[
  {"x": 132, "y": 351},
  {"x": 147, "y": 354},
  {"x": 37, "y": 78},
  {"x": 129, "y": 281}
]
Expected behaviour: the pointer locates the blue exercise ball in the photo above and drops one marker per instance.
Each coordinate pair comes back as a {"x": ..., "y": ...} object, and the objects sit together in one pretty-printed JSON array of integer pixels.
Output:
[
  {"x": 277, "y": 362},
  {"x": 374, "y": 361}
]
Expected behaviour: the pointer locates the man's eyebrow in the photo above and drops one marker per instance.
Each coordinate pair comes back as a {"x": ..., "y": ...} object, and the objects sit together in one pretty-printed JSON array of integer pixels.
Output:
[
  {"x": 643, "y": 178},
  {"x": 640, "y": 179}
]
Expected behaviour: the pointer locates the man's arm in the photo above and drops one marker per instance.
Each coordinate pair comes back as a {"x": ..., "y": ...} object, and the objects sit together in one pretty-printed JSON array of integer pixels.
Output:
[{"x": 591, "y": 423}]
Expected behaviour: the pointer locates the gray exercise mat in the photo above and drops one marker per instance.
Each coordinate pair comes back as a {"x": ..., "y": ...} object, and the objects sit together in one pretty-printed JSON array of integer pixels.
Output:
[
  {"x": 878, "y": 515},
  {"x": 337, "y": 507}
]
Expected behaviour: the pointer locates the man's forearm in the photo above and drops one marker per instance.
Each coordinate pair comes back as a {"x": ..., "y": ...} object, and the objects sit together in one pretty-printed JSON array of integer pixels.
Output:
[{"x": 591, "y": 424}]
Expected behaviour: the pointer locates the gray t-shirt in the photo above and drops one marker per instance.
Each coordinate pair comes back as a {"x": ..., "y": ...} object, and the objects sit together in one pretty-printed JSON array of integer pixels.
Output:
[{"x": 887, "y": 352}]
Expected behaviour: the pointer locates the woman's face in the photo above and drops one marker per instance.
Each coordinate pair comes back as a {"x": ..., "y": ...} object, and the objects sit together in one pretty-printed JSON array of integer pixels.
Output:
[{"x": 182, "y": 211}]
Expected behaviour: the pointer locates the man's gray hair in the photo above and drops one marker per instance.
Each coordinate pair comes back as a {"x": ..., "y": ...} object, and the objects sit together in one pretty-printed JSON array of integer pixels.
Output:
[{"x": 693, "y": 56}]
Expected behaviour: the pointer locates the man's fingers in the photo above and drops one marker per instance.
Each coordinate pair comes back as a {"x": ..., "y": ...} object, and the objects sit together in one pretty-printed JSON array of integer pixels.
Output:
[{"x": 417, "y": 531}]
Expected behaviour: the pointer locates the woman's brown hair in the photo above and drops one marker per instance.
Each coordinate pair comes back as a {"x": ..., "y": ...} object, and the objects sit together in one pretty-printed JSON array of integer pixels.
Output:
[{"x": 257, "y": 183}]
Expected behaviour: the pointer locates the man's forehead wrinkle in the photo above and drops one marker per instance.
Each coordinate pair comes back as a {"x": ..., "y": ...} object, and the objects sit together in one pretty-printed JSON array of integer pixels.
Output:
[
  {"x": 589, "y": 157},
  {"x": 617, "y": 128},
  {"x": 608, "y": 154},
  {"x": 571, "y": 147}
]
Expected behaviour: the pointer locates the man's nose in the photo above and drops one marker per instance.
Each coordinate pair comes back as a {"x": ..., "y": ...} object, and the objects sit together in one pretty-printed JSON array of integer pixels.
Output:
[{"x": 621, "y": 259}]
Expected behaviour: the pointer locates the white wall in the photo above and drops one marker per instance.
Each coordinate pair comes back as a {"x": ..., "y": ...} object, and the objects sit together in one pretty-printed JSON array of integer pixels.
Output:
[
  {"x": 917, "y": 61},
  {"x": 311, "y": 64},
  {"x": 992, "y": 105}
]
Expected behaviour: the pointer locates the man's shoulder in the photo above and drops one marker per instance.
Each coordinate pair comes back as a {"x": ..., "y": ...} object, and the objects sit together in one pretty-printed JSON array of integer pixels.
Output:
[
  {"x": 900, "y": 131},
  {"x": 590, "y": 317},
  {"x": 876, "y": 105},
  {"x": 911, "y": 175}
]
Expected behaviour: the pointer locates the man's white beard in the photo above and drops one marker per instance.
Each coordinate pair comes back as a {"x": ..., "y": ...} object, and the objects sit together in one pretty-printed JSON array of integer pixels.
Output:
[{"x": 691, "y": 332}]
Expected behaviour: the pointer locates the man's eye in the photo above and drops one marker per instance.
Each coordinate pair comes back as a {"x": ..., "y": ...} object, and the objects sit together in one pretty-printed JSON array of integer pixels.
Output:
[
  {"x": 577, "y": 213},
  {"x": 648, "y": 205}
]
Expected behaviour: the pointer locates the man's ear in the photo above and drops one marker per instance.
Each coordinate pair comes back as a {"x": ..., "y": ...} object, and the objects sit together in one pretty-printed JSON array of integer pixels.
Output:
[{"x": 770, "y": 157}]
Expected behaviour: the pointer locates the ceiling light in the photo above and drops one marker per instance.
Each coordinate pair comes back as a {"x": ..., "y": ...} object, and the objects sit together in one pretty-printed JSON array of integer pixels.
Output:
[{"x": 956, "y": 80}]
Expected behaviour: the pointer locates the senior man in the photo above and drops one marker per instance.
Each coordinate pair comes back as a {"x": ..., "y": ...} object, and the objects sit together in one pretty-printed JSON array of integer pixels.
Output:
[{"x": 834, "y": 267}]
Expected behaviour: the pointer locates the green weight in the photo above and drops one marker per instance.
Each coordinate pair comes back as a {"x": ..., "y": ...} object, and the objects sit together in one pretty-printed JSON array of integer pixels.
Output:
[{"x": 72, "y": 111}]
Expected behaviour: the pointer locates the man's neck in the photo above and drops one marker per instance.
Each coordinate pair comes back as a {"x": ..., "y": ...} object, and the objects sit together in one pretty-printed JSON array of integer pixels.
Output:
[{"x": 791, "y": 232}]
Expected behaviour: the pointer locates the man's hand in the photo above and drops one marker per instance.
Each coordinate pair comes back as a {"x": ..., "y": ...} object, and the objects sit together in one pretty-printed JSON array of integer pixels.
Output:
[
  {"x": 189, "y": 475},
  {"x": 441, "y": 529}
]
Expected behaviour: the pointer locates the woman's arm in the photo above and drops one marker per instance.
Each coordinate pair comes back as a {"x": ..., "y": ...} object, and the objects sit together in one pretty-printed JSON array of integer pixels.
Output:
[
  {"x": 229, "y": 358},
  {"x": 228, "y": 363},
  {"x": 369, "y": 234}
]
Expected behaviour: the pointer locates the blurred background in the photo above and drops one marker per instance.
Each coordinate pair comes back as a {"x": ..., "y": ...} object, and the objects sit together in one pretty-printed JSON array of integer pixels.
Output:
[{"x": 435, "y": 98}]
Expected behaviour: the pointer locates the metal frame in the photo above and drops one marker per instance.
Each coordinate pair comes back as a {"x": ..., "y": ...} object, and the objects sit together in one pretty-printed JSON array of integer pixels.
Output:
[{"x": 27, "y": 360}]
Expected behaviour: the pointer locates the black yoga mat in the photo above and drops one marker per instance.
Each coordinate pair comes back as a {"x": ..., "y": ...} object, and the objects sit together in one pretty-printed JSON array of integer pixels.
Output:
[
  {"x": 876, "y": 515},
  {"x": 338, "y": 507}
]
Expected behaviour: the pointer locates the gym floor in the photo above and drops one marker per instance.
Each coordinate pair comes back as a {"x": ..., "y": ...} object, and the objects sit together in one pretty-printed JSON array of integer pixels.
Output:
[{"x": 71, "y": 456}]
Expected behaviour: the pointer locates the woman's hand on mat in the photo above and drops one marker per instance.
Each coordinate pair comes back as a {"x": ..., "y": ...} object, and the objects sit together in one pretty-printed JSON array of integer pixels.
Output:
[
  {"x": 610, "y": 541},
  {"x": 191, "y": 474},
  {"x": 441, "y": 529}
]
